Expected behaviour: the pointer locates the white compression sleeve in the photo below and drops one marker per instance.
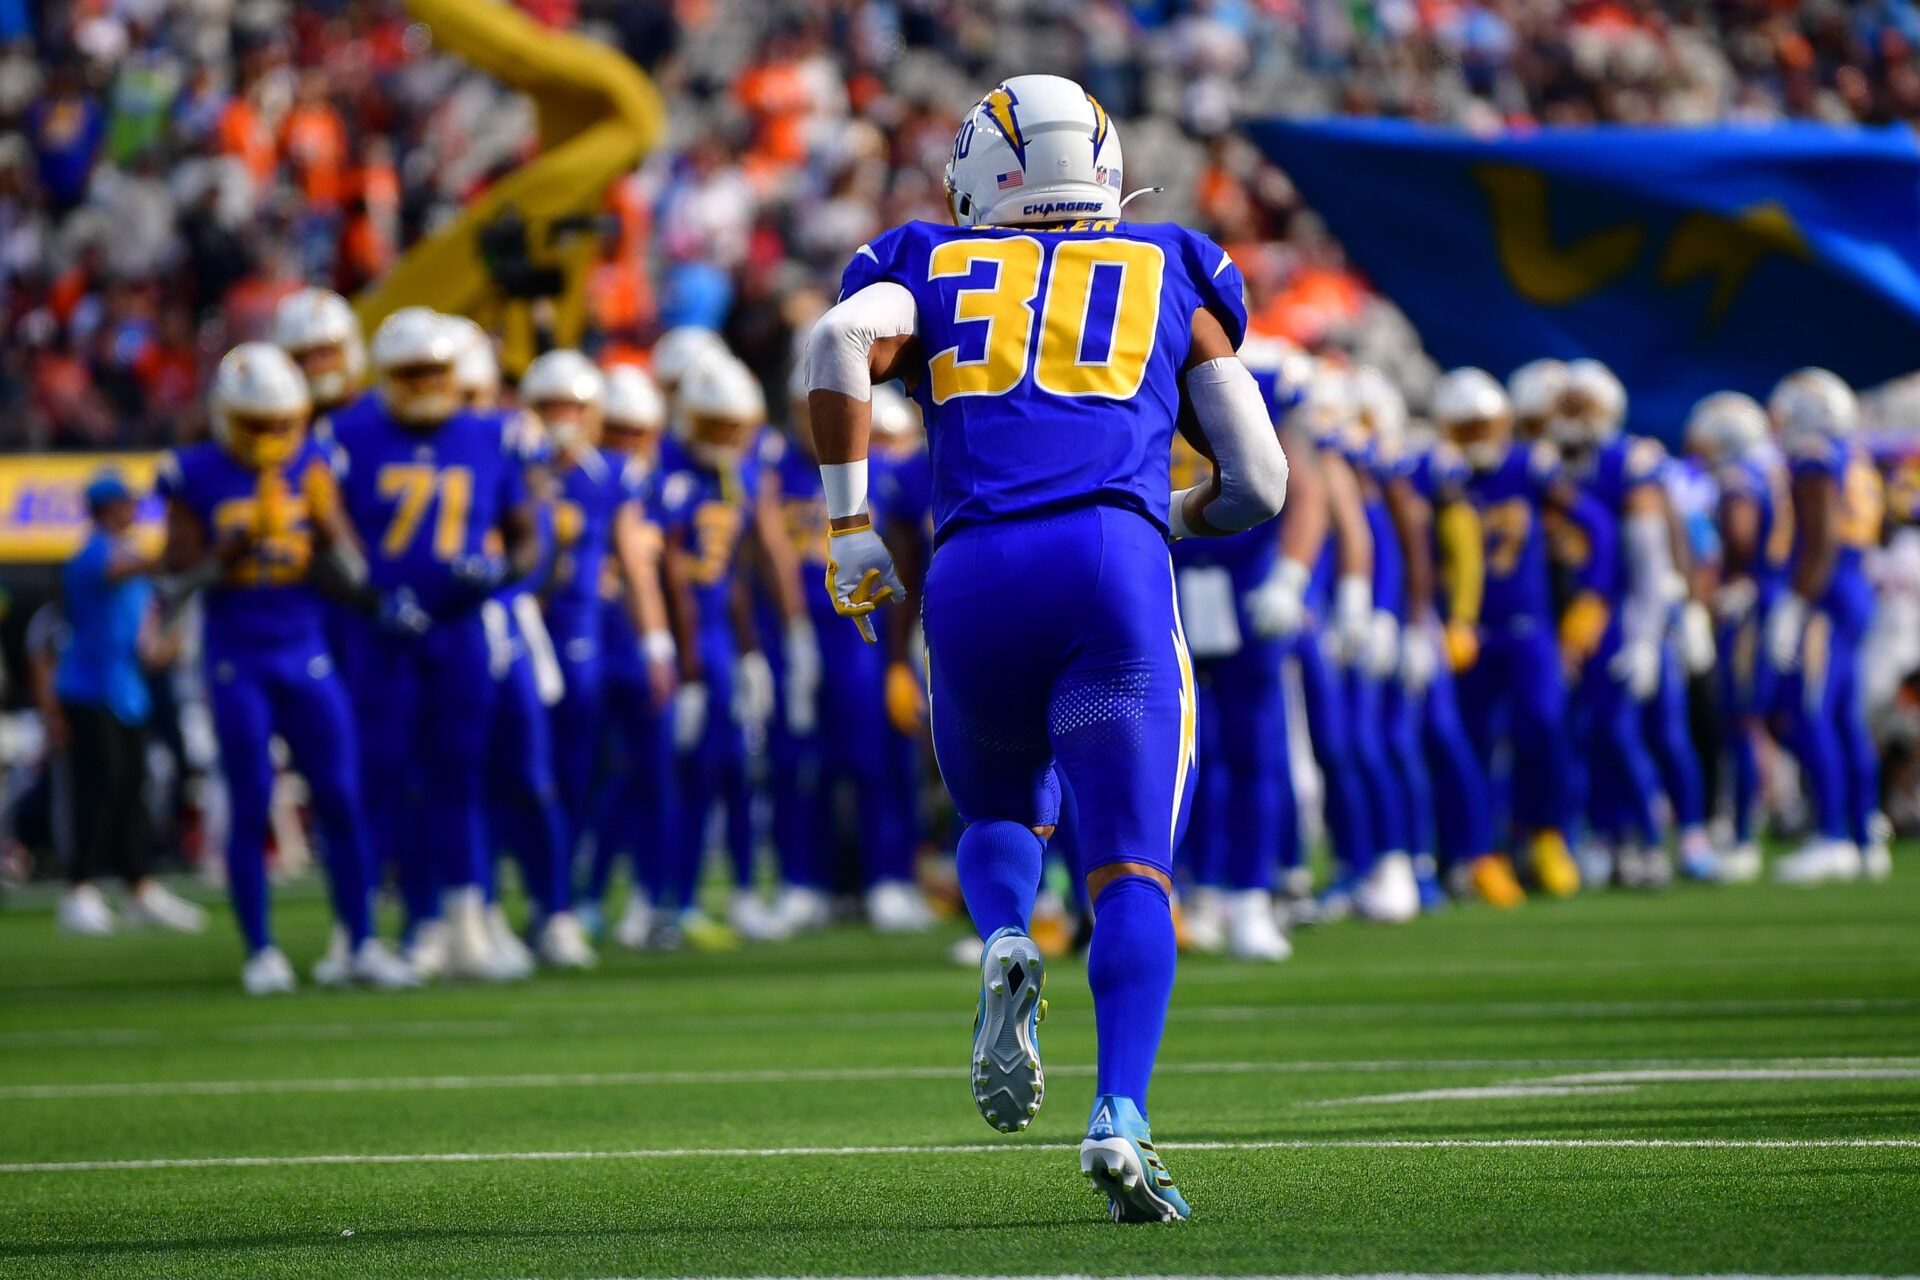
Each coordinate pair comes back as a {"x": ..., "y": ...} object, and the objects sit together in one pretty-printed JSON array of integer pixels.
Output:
[
  {"x": 1253, "y": 468},
  {"x": 843, "y": 338},
  {"x": 1646, "y": 542}
]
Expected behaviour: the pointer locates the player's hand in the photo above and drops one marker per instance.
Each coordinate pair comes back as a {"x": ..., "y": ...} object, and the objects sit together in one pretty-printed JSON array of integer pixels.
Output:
[
  {"x": 1637, "y": 666},
  {"x": 803, "y": 679},
  {"x": 1786, "y": 626},
  {"x": 1735, "y": 600},
  {"x": 1419, "y": 658},
  {"x": 478, "y": 572},
  {"x": 1463, "y": 645},
  {"x": 399, "y": 613},
  {"x": 1581, "y": 630},
  {"x": 233, "y": 547},
  {"x": 689, "y": 715},
  {"x": 1277, "y": 608},
  {"x": 861, "y": 576},
  {"x": 1352, "y": 619},
  {"x": 661, "y": 655},
  {"x": 1382, "y": 655},
  {"x": 753, "y": 691},
  {"x": 906, "y": 700},
  {"x": 1696, "y": 638}
]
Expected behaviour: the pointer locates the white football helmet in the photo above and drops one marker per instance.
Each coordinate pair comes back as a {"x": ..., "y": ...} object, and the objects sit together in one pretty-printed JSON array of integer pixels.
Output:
[
  {"x": 720, "y": 404},
  {"x": 1328, "y": 408},
  {"x": 894, "y": 415},
  {"x": 1725, "y": 426},
  {"x": 318, "y": 329},
  {"x": 1813, "y": 402},
  {"x": 1035, "y": 149},
  {"x": 1471, "y": 409},
  {"x": 634, "y": 402},
  {"x": 1383, "y": 412},
  {"x": 476, "y": 372},
  {"x": 1592, "y": 408},
  {"x": 1535, "y": 389},
  {"x": 258, "y": 405},
  {"x": 566, "y": 391},
  {"x": 414, "y": 351},
  {"x": 678, "y": 350}
]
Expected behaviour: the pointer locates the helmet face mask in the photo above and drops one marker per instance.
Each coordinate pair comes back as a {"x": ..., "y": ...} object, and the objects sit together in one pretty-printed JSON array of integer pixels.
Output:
[
  {"x": 318, "y": 329},
  {"x": 414, "y": 352},
  {"x": 571, "y": 424},
  {"x": 1472, "y": 411},
  {"x": 717, "y": 442},
  {"x": 261, "y": 440},
  {"x": 420, "y": 394},
  {"x": 329, "y": 372},
  {"x": 259, "y": 406}
]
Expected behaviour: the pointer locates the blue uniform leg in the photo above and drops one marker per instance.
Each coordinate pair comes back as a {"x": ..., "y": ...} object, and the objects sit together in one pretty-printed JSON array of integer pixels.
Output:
[
  {"x": 1349, "y": 824},
  {"x": 1626, "y": 783},
  {"x": 577, "y": 730},
  {"x": 523, "y": 801},
  {"x": 711, "y": 772},
  {"x": 457, "y": 701},
  {"x": 242, "y": 718},
  {"x": 384, "y": 683},
  {"x": 1202, "y": 856},
  {"x": 1664, "y": 723},
  {"x": 1808, "y": 692},
  {"x": 311, "y": 711},
  {"x": 1860, "y": 761},
  {"x": 1365, "y": 707},
  {"x": 859, "y": 745},
  {"x": 1261, "y": 828},
  {"x": 1402, "y": 720},
  {"x": 1542, "y": 758},
  {"x": 638, "y": 808},
  {"x": 1738, "y": 647},
  {"x": 1463, "y": 806}
]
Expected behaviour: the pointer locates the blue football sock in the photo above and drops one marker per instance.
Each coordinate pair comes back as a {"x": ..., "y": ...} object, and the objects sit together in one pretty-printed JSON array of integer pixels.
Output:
[
  {"x": 999, "y": 867},
  {"x": 247, "y": 891},
  {"x": 1130, "y": 968}
]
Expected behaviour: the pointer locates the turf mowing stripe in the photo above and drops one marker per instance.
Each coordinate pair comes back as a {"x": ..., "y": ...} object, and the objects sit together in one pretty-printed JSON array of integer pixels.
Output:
[
  {"x": 970, "y": 1148},
  {"x": 1668, "y": 1069},
  {"x": 1365, "y": 1275}
]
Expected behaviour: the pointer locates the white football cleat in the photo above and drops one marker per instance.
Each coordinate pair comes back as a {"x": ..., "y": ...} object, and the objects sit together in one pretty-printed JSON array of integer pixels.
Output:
[
  {"x": 1877, "y": 861},
  {"x": 1741, "y": 864},
  {"x": 898, "y": 906},
  {"x": 802, "y": 908},
  {"x": 1390, "y": 894},
  {"x": 636, "y": 925},
  {"x": 267, "y": 973},
  {"x": 753, "y": 919},
  {"x": 563, "y": 943},
  {"x": 84, "y": 911},
  {"x": 1595, "y": 861},
  {"x": 154, "y": 904},
  {"x": 1203, "y": 919},
  {"x": 470, "y": 943},
  {"x": 1819, "y": 861},
  {"x": 1253, "y": 932},
  {"x": 507, "y": 944},
  {"x": 334, "y": 969},
  {"x": 430, "y": 949}
]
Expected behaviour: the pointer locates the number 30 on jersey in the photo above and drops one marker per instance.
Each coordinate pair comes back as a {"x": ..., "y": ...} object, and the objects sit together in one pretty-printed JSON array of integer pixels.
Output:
[{"x": 1097, "y": 321}]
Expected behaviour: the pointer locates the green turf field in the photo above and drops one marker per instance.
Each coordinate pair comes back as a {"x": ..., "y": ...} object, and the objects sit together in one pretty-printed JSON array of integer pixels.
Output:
[{"x": 1706, "y": 1081}]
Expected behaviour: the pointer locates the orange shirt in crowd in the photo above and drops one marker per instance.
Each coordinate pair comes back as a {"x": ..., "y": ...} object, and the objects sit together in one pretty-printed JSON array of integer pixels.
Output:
[
  {"x": 776, "y": 93},
  {"x": 244, "y": 134},
  {"x": 314, "y": 142}
]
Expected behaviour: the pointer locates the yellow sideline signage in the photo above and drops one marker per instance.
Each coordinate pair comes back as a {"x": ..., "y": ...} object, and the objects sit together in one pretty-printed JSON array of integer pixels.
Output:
[{"x": 43, "y": 505}]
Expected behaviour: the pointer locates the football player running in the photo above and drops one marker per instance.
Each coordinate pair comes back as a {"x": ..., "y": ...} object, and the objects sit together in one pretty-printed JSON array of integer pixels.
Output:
[{"x": 1054, "y": 348}]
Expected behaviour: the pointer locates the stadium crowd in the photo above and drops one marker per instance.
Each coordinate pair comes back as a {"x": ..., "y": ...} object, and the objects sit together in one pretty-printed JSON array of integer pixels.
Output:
[{"x": 659, "y": 664}]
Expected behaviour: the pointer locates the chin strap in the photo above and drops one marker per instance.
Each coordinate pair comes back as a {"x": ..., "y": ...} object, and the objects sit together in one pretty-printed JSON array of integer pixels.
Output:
[{"x": 1143, "y": 191}]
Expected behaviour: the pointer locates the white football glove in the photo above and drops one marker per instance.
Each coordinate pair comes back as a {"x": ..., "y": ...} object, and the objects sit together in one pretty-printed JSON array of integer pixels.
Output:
[
  {"x": 1277, "y": 608},
  {"x": 1637, "y": 666},
  {"x": 753, "y": 691},
  {"x": 861, "y": 577},
  {"x": 1352, "y": 619},
  {"x": 1383, "y": 645},
  {"x": 1734, "y": 600},
  {"x": 1696, "y": 638},
  {"x": 1419, "y": 658},
  {"x": 1786, "y": 622},
  {"x": 803, "y": 678},
  {"x": 689, "y": 715}
]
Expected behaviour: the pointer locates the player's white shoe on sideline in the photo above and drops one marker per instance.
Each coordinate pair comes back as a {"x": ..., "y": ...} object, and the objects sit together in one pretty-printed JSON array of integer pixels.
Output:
[
  {"x": 1203, "y": 919},
  {"x": 373, "y": 964},
  {"x": 803, "y": 908},
  {"x": 428, "y": 951},
  {"x": 1741, "y": 864},
  {"x": 1876, "y": 856},
  {"x": 1253, "y": 931},
  {"x": 1008, "y": 1084},
  {"x": 898, "y": 906},
  {"x": 1390, "y": 893},
  {"x": 1819, "y": 861},
  {"x": 636, "y": 924},
  {"x": 508, "y": 947},
  {"x": 84, "y": 911},
  {"x": 753, "y": 919},
  {"x": 155, "y": 904},
  {"x": 471, "y": 952},
  {"x": 563, "y": 943},
  {"x": 267, "y": 973}
]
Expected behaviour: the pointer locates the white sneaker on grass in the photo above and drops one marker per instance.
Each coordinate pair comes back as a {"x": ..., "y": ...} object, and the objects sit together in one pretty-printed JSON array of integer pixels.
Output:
[
  {"x": 267, "y": 973},
  {"x": 84, "y": 911},
  {"x": 152, "y": 903}
]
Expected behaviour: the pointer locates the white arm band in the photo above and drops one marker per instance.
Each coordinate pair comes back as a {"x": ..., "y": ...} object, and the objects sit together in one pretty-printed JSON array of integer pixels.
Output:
[
  {"x": 1253, "y": 468},
  {"x": 842, "y": 341},
  {"x": 1649, "y": 551},
  {"x": 846, "y": 488}
]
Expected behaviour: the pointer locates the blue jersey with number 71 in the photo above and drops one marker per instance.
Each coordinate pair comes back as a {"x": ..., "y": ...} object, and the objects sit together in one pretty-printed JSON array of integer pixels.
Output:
[{"x": 1051, "y": 357}]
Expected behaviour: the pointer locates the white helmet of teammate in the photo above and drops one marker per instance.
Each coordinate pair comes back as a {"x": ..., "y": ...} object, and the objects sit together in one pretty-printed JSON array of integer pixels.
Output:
[
  {"x": 414, "y": 351},
  {"x": 634, "y": 402},
  {"x": 319, "y": 330},
  {"x": 678, "y": 351},
  {"x": 720, "y": 404},
  {"x": 1535, "y": 389},
  {"x": 1292, "y": 368},
  {"x": 1725, "y": 426},
  {"x": 1035, "y": 149},
  {"x": 565, "y": 390},
  {"x": 1383, "y": 411},
  {"x": 259, "y": 405},
  {"x": 1813, "y": 402},
  {"x": 1472, "y": 410},
  {"x": 1592, "y": 408},
  {"x": 476, "y": 371},
  {"x": 1328, "y": 409},
  {"x": 895, "y": 417}
]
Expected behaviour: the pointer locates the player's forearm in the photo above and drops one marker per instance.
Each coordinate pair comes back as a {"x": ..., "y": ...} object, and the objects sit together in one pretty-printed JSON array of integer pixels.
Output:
[
  {"x": 1819, "y": 550},
  {"x": 1646, "y": 545},
  {"x": 1249, "y": 481},
  {"x": 1304, "y": 532},
  {"x": 782, "y": 565},
  {"x": 1413, "y": 522},
  {"x": 683, "y": 611},
  {"x": 1597, "y": 523},
  {"x": 1349, "y": 519}
]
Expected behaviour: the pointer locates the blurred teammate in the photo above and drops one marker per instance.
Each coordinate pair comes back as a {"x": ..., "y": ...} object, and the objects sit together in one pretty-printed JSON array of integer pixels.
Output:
[
  {"x": 318, "y": 329},
  {"x": 1051, "y": 623},
  {"x": 1816, "y": 627},
  {"x": 248, "y": 515},
  {"x": 429, "y": 486}
]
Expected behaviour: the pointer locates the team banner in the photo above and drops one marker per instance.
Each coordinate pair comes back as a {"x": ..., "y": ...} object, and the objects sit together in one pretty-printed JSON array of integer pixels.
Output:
[
  {"x": 43, "y": 506},
  {"x": 1691, "y": 260}
]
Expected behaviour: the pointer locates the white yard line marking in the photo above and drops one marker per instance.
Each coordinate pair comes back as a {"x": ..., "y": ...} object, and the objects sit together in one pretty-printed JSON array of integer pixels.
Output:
[
  {"x": 971, "y": 1148},
  {"x": 1469, "y": 1093},
  {"x": 1591, "y": 1082},
  {"x": 1623, "y": 1072}
]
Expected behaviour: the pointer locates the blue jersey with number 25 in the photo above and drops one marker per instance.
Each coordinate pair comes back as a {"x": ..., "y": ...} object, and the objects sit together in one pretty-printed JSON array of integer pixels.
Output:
[{"x": 1051, "y": 357}]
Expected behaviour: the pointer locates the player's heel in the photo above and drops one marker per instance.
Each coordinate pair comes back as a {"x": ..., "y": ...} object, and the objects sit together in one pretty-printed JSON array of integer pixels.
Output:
[
  {"x": 1008, "y": 1083},
  {"x": 1118, "y": 1158}
]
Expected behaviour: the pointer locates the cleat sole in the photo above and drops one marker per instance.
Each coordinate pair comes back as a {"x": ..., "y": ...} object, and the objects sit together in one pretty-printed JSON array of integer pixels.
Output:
[{"x": 1009, "y": 1084}]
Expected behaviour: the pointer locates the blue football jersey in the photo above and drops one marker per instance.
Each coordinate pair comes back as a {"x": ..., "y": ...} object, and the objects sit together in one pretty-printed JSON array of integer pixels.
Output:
[
  {"x": 1763, "y": 481},
  {"x": 709, "y": 512},
  {"x": 592, "y": 489},
  {"x": 803, "y": 502},
  {"x": 1051, "y": 359},
  {"x": 422, "y": 499},
  {"x": 619, "y": 642},
  {"x": 1510, "y": 499},
  {"x": 263, "y": 603},
  {"x": 1861, "y": 489},
  {"x": 1614, "y": 471}
]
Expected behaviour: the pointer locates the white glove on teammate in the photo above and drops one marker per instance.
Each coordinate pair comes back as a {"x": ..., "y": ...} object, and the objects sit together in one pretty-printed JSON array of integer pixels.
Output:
[
  {"x": 1419, "y": 658},
  {"x": 1277, "y": 607},
  {"x": 1383, "y": 645},
  {"x": 1637, "y": 666},
  {"x": 1696, "y": 638},
  {"x": 1352, "y": 619},
  {"x": 803, "y": 678},
  {"x": 1786, "y": 622},
  {"x": 689, "y": 715},
  {"x": 753, "y": 691}
]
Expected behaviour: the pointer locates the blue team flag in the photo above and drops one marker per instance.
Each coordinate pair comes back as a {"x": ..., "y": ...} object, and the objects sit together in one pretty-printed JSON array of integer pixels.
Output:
[{"x": 1691, "y": 260}]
